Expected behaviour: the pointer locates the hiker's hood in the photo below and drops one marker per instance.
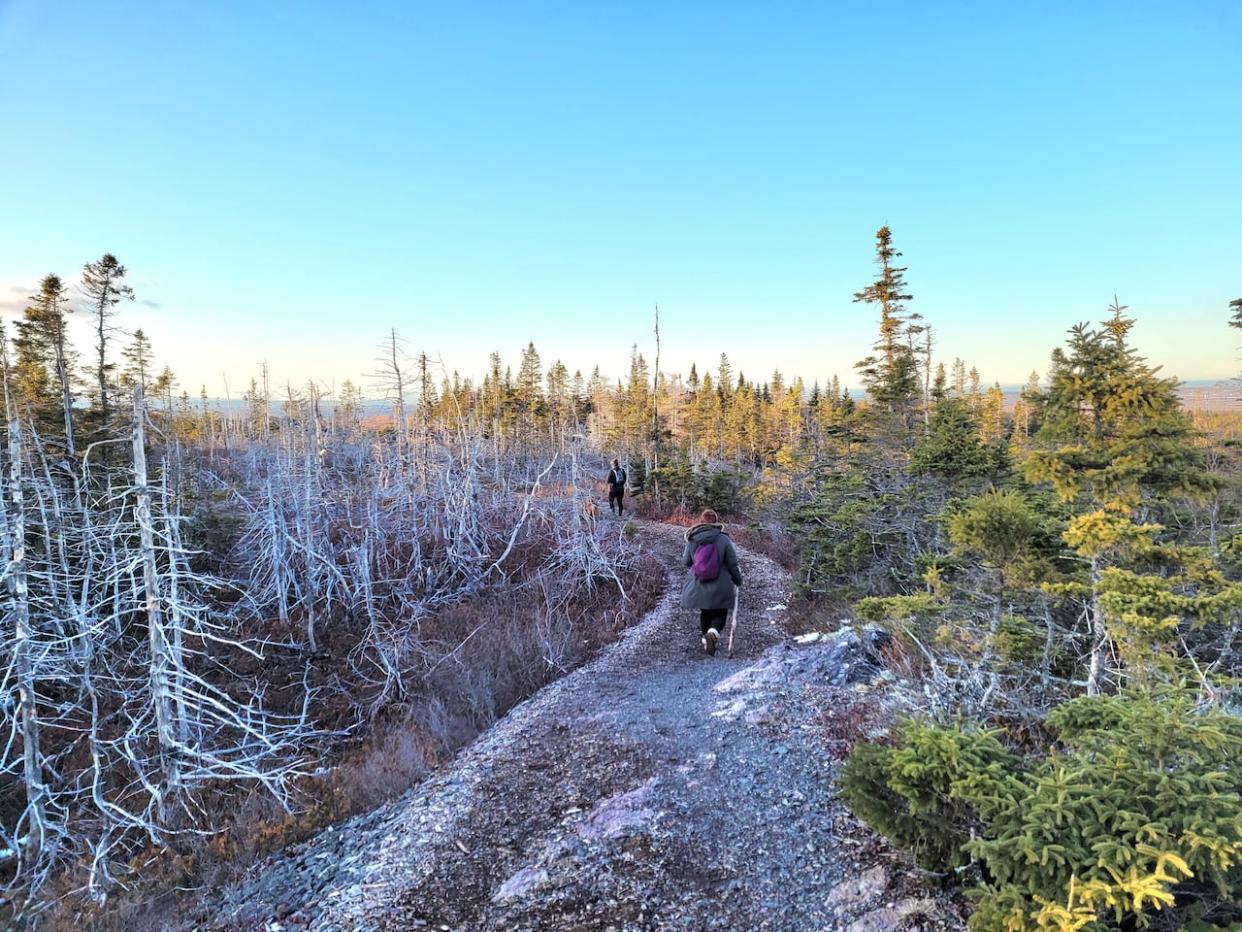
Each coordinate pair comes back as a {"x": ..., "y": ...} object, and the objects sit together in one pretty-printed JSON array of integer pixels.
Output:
[{"x": 704, "y": 533}]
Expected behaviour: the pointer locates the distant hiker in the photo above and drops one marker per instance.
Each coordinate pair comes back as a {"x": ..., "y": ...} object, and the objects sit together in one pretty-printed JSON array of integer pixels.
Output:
[
  {"x": 616, "y": 487},
  {"x": 713, "y": 575}
]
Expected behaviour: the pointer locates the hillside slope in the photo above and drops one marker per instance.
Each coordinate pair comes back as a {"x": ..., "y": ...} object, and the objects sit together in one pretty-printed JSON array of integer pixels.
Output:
[{"x": 654, "y": 788}]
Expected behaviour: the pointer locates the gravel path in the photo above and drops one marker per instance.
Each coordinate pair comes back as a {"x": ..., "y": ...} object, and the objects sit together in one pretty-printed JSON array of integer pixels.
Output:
[{"x": 654, "y": 788}]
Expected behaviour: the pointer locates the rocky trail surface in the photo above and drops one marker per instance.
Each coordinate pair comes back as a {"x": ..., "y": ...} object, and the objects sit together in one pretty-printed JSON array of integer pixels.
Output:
[{"x": 653, "y": 788}]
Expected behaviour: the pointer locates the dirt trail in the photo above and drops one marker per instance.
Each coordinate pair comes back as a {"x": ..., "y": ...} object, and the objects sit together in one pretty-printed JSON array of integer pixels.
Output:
[{"x": 647, "y": 790}]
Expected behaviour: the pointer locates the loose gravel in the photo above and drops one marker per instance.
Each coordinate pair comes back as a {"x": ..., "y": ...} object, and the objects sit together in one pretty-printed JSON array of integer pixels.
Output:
[{"x": 655, "y": 788}]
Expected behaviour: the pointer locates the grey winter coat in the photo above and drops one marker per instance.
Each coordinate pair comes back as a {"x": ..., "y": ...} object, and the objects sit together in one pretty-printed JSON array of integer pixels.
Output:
[{"x": 718, "y": 593}]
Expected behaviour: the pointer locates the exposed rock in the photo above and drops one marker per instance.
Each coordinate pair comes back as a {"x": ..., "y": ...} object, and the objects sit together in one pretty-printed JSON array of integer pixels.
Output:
[
  {"x": 856, "y": 891},
  {"x": 893, "y": 917},
  {"x": 615, "y": 817},
  {"x": 521, "y": 883}
]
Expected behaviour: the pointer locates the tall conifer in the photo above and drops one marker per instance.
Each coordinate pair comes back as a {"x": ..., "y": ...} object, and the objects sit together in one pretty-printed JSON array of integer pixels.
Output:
[{"x": 891, "y": 374}]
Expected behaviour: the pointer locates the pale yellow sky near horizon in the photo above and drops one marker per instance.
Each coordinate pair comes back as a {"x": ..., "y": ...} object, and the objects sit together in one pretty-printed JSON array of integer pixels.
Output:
[{"x": 200, "y": 354}]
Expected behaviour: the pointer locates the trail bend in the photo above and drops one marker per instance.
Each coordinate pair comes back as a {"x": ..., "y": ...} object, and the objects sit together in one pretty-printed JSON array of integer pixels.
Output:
[{"x": 652, "y": 788}]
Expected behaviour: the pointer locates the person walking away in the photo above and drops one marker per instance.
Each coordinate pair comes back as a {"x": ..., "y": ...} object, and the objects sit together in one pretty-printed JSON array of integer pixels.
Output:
[
  {"x": 616, "y": 487},
  {"x": 713, "y": 578}
]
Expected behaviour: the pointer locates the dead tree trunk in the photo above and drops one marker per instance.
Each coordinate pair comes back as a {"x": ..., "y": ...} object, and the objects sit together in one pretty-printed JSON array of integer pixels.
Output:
[
  {"x": 23, "y": 648},
  {"x": 161, "y": 661}
]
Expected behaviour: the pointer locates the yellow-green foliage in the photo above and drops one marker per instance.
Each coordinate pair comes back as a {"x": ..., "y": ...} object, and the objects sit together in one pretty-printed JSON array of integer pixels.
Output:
[
  {"x": 997, "y": 526},
  {"x": 1018, "y": 639},
  {"x": 924, "y": 793},
  {"x": 902, "y": 614},
  {"x": 1140, "y": 794},
  {"x": 898, "y": 608},
  {"x": 1106, "y": 531}
]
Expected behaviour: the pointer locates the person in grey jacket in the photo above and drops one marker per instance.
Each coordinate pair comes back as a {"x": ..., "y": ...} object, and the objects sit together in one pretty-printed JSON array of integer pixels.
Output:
[{"x": 712, "y": 597}]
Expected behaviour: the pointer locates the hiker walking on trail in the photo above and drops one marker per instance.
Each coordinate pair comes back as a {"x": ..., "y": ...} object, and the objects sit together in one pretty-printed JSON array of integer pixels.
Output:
[
  {"x": 710, "y": 584},
  {"x": 616, "y": 487}
]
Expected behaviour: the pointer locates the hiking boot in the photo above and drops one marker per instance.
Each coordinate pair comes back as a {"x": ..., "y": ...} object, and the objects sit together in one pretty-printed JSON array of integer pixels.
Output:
[{"x": 709, "y": 641}]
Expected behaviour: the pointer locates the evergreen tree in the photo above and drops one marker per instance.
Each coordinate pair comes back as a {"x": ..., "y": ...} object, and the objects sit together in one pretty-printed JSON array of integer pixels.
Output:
[
  {"x": 940, "y": 387},
  {"x": 350, "y": 405},
  {"x": 992, "y": 416},
  {"x": 1024, "y": 423},
  {"x": 724, "y": 377},
  {"x": 951, "y": 448},
  {"x": 45, "y": 360},
  {"x": 998, "y": 527},
  {"x": 891, "y": 374},
  {"x": 163, "y": 387},
  {"x": 959, "y": 378},
  {"x": 560, "y": 403},
  {"x": 530, "y": 379},
  {"x": 636, "y": 402},
  {"x": 578, "y": 397},
  {"x": 1130, "y": 815},
  {"x": 706, "y": 418},
  {"x": 103, "y": 287},
  {"x": 1113, "y": 433},
  {"x": 139, "y": 362}
]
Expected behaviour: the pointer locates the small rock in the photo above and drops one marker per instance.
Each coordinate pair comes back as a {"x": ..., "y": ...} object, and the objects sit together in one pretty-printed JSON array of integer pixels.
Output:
[
  {"x": 857, "y": 890},
  {"x": 759, "y": 716},
  {"x": 887, "y": 918}
]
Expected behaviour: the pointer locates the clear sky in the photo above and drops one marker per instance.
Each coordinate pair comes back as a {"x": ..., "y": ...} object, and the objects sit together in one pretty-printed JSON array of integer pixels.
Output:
[{"x": 287, "y": 180}]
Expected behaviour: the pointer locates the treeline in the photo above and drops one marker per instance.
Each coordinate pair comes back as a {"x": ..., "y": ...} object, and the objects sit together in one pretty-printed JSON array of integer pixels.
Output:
[{"x": 718, "y": 417}]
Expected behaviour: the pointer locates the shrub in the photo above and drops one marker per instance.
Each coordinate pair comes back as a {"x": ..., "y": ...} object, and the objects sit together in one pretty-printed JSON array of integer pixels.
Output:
[
  {"x": 1135, "y": 811},
  {"x": 923, "y": 792},
  {"x": 679, "y": 483},
  {"x": 1018, "y": 639}
]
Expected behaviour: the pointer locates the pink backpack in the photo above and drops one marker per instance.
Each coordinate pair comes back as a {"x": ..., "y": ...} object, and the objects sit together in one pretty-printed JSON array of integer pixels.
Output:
[{"x": 706, "y": 565}]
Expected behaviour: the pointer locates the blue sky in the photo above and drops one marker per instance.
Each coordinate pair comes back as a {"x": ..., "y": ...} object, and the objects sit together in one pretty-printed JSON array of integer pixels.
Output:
[{"x": 286, "y": 181}]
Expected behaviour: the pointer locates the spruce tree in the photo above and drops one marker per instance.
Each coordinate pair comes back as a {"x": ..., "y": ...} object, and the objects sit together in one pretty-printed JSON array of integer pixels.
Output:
[
  {"x": 1113, "y": 435},
  {"x": 951, "y": 448},
  {"x": 992, "y": 416},
  {"x": 959, "y": 377},
  {"x": 45, "y": 360},
  {"x": 560, "y": 404},
  {"x": 636, "y": 403},
  {"x": 724, "y": 377},
  {"x": 1024, "y": 422},
  {"x": 350, "y": 405},
  {"x": 891, "y": 373},
  {"x": 940, "y": 386},
  {"x": 998, "y": 527},
  {"x": 139, "y": 363},
  {"x": 103, "y": 287}
]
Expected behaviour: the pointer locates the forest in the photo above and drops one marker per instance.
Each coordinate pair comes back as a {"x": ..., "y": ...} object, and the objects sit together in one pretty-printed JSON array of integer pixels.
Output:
[{"x": 230, "y": 623}]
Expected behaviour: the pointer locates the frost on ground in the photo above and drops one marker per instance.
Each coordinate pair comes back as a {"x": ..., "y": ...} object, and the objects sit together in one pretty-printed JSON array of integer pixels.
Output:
[{"x": 655, "y": 788}]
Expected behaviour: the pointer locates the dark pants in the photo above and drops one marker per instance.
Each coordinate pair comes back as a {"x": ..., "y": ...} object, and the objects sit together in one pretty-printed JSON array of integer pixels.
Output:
[
  {"x": 713, "y": 618},
  {"x": 616, "y": 494}
]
